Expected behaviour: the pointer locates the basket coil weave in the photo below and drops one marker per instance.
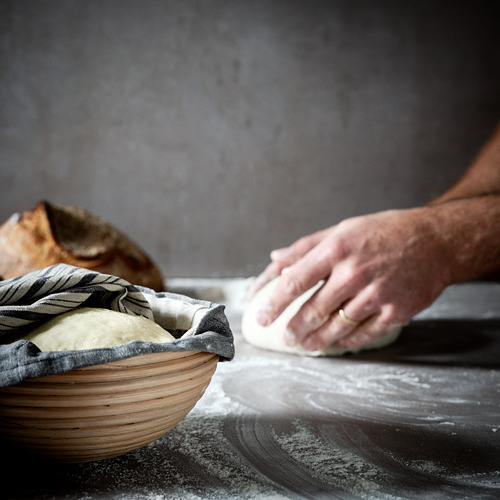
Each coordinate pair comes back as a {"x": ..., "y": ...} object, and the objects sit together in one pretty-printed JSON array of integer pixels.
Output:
[
  {"x": 103, "y": 411},
  {"x": 93, "y": 404}
]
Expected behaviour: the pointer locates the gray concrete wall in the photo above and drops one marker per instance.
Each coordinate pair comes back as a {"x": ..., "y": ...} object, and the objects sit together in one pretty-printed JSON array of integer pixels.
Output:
[{"x": 212, "y": 131}]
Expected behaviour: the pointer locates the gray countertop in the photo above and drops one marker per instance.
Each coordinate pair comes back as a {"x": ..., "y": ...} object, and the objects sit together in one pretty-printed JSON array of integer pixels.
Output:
[{"x": 418, "y": 419}]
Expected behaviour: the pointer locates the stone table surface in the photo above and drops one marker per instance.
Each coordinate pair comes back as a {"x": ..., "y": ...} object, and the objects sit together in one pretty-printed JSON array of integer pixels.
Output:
[{"x": 418, "y": 419}]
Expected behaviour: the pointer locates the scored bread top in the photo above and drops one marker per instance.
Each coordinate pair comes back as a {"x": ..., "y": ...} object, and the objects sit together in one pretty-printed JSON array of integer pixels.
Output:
[{"x": 52, "y": 234}]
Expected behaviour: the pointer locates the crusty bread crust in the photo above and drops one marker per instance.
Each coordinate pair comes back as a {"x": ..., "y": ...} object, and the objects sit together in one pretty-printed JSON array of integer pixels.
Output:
[{"x": 51, "y": 234}]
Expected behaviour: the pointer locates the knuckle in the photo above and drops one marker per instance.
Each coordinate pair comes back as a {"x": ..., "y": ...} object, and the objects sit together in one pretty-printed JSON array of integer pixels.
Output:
[
  {"x": 290, "y": 285},
  {"x": 300, "y": 247},
  {"x": 329, "y": 252},
  {"x": 349, "y": 273},
  {"x": 345, "y": 225},
  {"x": 313, "y": 315},
  {"x": 375, "y": 299},
  {"x": 301, "y": 242},
  {"x": 390, "y": 315}
]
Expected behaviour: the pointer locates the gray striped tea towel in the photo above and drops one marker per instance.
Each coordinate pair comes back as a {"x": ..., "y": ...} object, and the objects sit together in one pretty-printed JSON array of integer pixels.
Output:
[{"x": 36, "y": 297}]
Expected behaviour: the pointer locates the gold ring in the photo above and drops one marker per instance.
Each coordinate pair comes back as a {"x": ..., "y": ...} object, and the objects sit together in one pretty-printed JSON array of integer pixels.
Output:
[{"x": 346, "y": 318}]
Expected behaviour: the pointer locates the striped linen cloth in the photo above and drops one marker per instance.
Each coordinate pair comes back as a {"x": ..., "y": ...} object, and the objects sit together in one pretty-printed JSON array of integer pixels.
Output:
[{"x": 39, "y": 296}]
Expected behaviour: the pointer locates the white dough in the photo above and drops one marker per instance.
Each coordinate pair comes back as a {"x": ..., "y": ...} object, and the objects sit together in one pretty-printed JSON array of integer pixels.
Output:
[
  {"x": 91, "y": 328},
  {"x": 271, "y": 337}
]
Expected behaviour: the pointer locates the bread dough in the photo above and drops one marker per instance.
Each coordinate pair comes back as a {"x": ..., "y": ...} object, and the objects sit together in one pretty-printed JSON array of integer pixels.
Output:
[
  {"x": 91, "y": 328},
  {"x": 271, "y": 337}
]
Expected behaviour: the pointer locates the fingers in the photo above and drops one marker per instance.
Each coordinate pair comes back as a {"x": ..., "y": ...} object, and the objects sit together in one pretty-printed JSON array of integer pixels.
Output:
[
  {"x": 356, "y": 324},
  {"x": 369, "y": 331},
  {"x": 340, "y": 329},
  {"x": 284, "y": 257},
  {"x": 341, "y": 309},
  {"x": 318, "y": 323},
  {"x": 295, "y": 281},
  {"x": 349, "y": 316},
  {"x": 317, "y": 313}
]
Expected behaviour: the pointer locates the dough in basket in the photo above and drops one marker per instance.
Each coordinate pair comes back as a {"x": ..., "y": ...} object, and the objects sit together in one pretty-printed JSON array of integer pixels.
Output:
[
  {"x": 91, "y": 328},
  {"x": 270, "y": 337}
]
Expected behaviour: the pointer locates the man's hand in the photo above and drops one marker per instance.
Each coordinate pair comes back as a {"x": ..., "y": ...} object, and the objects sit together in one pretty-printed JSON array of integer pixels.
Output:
[{"x": 380, "y": 269}]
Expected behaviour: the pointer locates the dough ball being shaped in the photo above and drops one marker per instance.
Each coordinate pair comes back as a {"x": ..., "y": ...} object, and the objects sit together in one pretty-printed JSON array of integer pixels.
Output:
[
  {"x": 91, "y": 328},
  {"x": 271, "y": 337}
]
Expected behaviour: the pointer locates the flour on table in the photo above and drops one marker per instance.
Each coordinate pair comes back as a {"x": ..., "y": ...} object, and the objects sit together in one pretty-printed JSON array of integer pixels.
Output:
[{"x": 270, "y": 337}]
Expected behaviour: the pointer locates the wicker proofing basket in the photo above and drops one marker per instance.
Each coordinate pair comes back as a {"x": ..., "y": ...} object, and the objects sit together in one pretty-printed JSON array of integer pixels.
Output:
[{"x": 105, "y": 410}]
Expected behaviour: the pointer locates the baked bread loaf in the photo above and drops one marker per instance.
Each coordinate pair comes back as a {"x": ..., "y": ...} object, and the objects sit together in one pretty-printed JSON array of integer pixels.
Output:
[{"x": 52, "y": 234}]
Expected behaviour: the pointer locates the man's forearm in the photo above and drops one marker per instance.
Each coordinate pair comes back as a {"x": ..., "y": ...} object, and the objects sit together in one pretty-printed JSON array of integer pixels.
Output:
[{"x": 470, "y": 231}]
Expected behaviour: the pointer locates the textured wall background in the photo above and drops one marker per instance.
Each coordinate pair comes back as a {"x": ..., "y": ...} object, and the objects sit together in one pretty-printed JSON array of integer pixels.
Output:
[{"x": 212, "y": 131}]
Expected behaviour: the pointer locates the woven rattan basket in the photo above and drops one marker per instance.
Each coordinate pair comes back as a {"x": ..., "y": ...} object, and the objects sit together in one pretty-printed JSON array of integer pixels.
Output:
[{"x": 105, "y": 410}]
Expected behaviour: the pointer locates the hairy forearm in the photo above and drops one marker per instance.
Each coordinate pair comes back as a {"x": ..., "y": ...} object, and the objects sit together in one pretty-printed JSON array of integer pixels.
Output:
[
  {"x": 469, "y": 216},
  {"x": 470, "y": 231}
]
